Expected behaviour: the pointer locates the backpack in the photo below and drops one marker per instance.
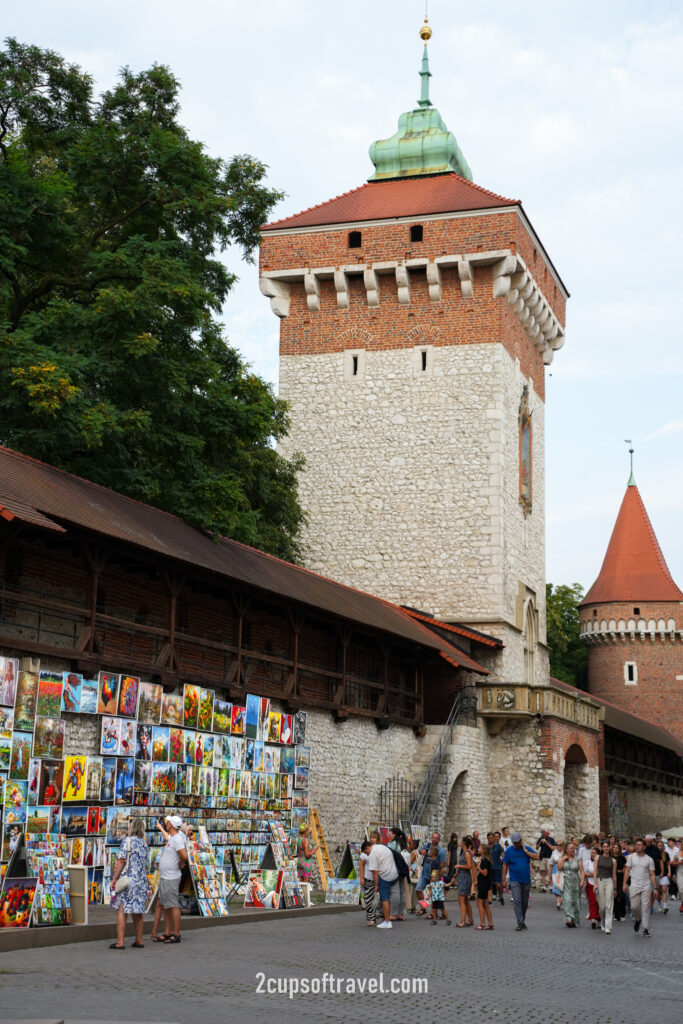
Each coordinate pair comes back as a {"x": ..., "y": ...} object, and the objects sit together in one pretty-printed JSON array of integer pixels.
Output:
[{"x": 401, "y": 866}]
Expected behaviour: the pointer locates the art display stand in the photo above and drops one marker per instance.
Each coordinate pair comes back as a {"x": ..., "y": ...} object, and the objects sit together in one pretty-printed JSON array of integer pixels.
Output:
[
  {"x": 47, "y": 860},
  {"x": 208, "y": 887},
  {"x": 349, "y": 866}
]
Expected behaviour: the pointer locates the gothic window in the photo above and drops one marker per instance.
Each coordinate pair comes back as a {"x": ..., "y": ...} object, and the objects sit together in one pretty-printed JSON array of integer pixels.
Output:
[
  {"x": 525, "y": 467},
  {"x": 529, "y": 642}
]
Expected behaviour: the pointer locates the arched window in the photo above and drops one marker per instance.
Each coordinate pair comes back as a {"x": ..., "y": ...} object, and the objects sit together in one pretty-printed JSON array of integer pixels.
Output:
[
  {"x": 525, "y": 452},
  {"x": 529, "y": 642}
]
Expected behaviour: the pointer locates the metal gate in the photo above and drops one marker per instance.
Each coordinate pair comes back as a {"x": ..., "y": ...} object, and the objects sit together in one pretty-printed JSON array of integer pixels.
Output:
[{"x": 396, "y": 797}]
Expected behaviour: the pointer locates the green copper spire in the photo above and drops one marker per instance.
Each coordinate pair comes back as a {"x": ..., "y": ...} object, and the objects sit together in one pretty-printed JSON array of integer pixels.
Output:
[
  {"x": 423, "y": 144},
  {"x": 631, "y": 479}
]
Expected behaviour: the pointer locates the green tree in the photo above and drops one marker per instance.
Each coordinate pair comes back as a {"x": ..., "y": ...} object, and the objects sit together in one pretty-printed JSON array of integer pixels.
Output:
[
  {"x": 113, "y": 359},
  {"x": 568, "y": 659}
]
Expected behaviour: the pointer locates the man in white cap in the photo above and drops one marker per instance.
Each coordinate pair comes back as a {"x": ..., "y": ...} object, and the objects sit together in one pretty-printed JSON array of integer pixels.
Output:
[
  {"x": 517, "y": 861},
  {"x": 170, "y": 868}
]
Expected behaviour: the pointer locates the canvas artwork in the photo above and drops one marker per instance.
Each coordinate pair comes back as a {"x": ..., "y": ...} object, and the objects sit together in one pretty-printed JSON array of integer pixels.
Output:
[
  {"x": 287, "y": 760},
  {"x": 43, "y": 820},
  {"x": 143, "y": 746},
  {"x": 89, "y": 694},
  {"x": 249, "y": 755},
  {"x": 217, "y": 752},
  {"x": 48, "y": 738},
  {"x": 176, "y": 746},
  {"x": 343, "y": 891},
  {"x": 143, "y": 776},
  {"x": 223, "y": 786},
  {"x": 300, "y": 798},
  {"x": 222, "y": 716},
  {"x": 108, "y": 786},
  {"x": 108, "y": 693},
  {"x": 190, "y": 706},
  {"x": 263, "y": 715},
  {"x": 163, "y": 777},
  {"x": 207, "y": 759},
  {"x": 263, "y": 890},
  {"x": 258, "y": 755},
  {"x": 299, "y": 728},
  {"x": 303, "y": 757},
  {"x": 299, "y": 818},
  {"x": 285, "y": 729},
  {"x": 51, "y": 783},
  {"x": 33, "y": 780},
  {"x": 111, "y": 735},
  {"x": 95, "y": 885},
  {"x": 172, "y": 709},
  {"x": 205, "y": 717},
  {"x": 6, "y": 723},
  {"x": 76, "y": 850},
  {"x": 274, "y": 727},
  {"x": 237, "y": 753},
  {"x": 161, "y": 735},
  {"x": 16, "y": 802},
  {"x": 93, "y": 826},
  {"x": 252, "y": 717},
  {"x": 276, "y": 759},
  {"x": 198, "y": 748},
  {"x": 128, "y": 696},
  {"x": 125, "y": 778},
  {"x": 226, "y": 746},
  {"x": 75, "y": 769},
  {"x": 16, "y": 902},
  {"x": 268, "y": 759},
  {"x": 74, "y": 820},
  {"x": 183, "y": 777},
  {"x": 9, "y": 670},
  {"x": 26, "y": 701},
  {"x": 5, "y": 753},
  {"x": 128, "y": 739},
  {"x": 189, "y": 746},
  {"x": 71, "y": 691},
  {"x": 93, "y": 782},
  {"x": 11, "y": 836},
  {"x": 94, "y": 852},
  {"x": 149, "y": 703},
  {"x": 50, "y": 686},
  {"x": 118, "y": 823},
  {"x": 237, "y": 723}
]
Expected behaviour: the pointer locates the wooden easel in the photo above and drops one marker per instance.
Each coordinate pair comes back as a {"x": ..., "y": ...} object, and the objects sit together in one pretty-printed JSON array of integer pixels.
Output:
[{"x": 322, "y": 855}]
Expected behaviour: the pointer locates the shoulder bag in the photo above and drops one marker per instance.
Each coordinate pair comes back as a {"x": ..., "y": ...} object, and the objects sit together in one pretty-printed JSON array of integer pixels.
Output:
[{"x": 123, "y": 881}]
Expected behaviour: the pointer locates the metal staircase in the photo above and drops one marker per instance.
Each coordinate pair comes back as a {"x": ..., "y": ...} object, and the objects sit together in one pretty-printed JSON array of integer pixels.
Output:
[{"x": 462, "y": 708}]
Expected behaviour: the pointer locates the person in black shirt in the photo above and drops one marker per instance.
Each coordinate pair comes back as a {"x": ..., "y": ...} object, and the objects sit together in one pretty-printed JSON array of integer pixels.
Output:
[
  {"x": 545, "y": 846},
  {"x": 620, "y": 895}
]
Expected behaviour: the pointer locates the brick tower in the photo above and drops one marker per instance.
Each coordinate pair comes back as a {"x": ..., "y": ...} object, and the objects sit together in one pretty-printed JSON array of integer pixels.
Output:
[
  {"x": 418, "y": 312},
  {"x": 632, "y": 622}
]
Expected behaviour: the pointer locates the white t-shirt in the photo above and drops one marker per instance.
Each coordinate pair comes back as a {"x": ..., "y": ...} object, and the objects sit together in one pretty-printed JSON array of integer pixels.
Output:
[
  {"x": 366, "y": 871},
  {"x": 640, "y": 871},
  {"x": 381, "y": 859},
  {"x": 587, "y": 861},
  {"x": 505, "y": 841},
  {"x": 555, "y": 856},
  {"x": 169, "y": 864}
]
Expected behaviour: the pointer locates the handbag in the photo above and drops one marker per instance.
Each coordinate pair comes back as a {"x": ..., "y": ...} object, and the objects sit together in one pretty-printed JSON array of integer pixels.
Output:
[
  {"x": 558, "y": 880},
  {"x": 123, "y": 881}
]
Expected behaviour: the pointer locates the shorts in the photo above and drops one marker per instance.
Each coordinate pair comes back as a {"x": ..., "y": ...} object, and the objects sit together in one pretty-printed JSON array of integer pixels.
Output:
[
  {"x": 385, "y": 889},
  {"x": 664, "y": 881},
  {"x": 544, "y": 864},
  {"x": 168, "y": 892},
  {"x": 437, "y": 904},
  {"x": 496, "y": 876}
]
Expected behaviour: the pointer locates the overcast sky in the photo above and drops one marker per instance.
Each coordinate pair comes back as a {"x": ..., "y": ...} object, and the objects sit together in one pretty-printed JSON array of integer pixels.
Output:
[{"x": 576, "y": 109}]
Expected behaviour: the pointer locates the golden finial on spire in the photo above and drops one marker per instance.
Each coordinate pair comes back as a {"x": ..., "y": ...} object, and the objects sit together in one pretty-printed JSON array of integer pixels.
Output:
[{"x": 425, "y": 31}]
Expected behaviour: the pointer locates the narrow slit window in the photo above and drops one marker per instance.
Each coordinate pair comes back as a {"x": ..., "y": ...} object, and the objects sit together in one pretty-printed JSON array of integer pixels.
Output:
[
  {"x": 630, "y": 673},
  {"x": 636, "y": 611},
  {"x": 355, "y": 366},
  {"x": 415, "y": 232},
  {"x": 355, "y": 239},
  {"x": 423, "y": 359}
]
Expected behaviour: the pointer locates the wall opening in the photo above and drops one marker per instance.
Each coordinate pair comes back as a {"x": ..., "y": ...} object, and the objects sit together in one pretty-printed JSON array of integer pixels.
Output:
[
  {"x": 578, "y": 812},
  {"x": 630, "y": 673},
  {"x": 455, "y": 818},
  {"x": 355, "y": 239},
  {"x": 415, "y": 232},
  {"x": 529, "y": 643}
]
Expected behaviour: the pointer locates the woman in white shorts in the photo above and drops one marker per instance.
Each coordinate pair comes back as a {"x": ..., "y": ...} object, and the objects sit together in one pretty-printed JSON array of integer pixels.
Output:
[{"x": 664, "y": 878}]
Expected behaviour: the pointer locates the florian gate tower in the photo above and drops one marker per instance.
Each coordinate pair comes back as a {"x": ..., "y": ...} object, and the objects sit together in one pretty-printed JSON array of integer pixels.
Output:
[{"x": 418, "y": 313}]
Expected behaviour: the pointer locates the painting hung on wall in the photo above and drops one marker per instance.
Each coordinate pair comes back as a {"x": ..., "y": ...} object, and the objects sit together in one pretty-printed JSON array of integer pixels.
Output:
[
  {"x": 108, "y": 693},
  {"x": 89, "y": 694},
  {"x": 285, "y": 729},
  {"x": 190, "y": 706},
  {"x": 48, "y": 738},
  {"x": 33, "y": 780},
  {"x": 43, "y": 820},
  {"x": 163, "y": 777},
  {"x": 161, "y": 736},
  {"x": 128, "y": 738},
  {"x": 287, "y": 760},
  {"x": 303, "y": 757},
  {"x": 108, "y": 787},
  {"x": 16, "y": 802},
  {"x": 205, "y": 717},
  {"x": 26, "y": 702},
  {"x": 299, "y": 728},
  {"x": 94, "y": 816},
  {"x": 274, "y": 727},
  {"x": 143, "y": 749},
  {"x": 143, "y": 776},
  {"x": 125, "y": 779},
  {"x": 5, "y": 753},
  {"x": 16, "y": 902},
  {"x": 176, "y": 744},
  {"x": 9, "y": 670},
  {"x": 258, "y": 756},
  {"x": 50, "y": 685},
  {"x": 75, "y": 768},
  {"x": 252, "y": 717},
  {"x": 111, "y": 735},
  {"x": 93, "y": 783},
  {"x": 207, "y": 755},
  {"x": 172, "y": 712},
  {"x": 222, "y": 716},
  {"x": 149, "y": 703},
  {"x": 128, "y": 696},
  {"x": 71, "y": 691},
  {"x": 238, "y": 716},
  {"x": 74, "y": 820},
  {"x": 51, "y": 783},
  {"x": 263, "y": 715},
  {"x": 189, "y": 746},
  {"x": 6, "y": 723},
  {"x": 118, "y": 823}
]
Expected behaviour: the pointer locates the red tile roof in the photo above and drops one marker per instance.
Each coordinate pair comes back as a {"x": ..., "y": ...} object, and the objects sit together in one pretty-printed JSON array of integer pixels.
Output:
[
  {"x": 455, "y": 627},
  {"x": 634, "y": 568},
  {"x": 403, "y": 197}
]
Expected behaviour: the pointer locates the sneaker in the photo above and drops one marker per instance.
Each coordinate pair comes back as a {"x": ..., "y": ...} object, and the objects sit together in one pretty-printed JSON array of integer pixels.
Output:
[
  {"x": 607, "y": 931},
  {"x": 646, "y": 934},
  {"x": 666, "y": 910},
  {"x": 636, "y": 926},
  {"x": 502, "y": 902},
  {"x": 385, "y": 924},
  {"x": 519, "y": 928},
  {"x": 524, "y": 927},
  {"x": 543, "y": 889}
]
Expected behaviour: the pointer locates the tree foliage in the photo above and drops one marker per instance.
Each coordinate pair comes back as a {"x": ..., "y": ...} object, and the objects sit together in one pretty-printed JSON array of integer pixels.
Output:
[
  {"x": 568, "y": 659},
  {"x": 114, "y": 363}
]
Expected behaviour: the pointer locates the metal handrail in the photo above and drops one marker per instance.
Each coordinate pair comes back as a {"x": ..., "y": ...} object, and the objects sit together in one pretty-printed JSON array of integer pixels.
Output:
[{"x": 436, "y": 761}]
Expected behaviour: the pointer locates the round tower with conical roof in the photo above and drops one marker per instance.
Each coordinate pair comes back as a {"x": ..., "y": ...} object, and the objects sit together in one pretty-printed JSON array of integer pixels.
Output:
[{"x": 632, "y": 622}]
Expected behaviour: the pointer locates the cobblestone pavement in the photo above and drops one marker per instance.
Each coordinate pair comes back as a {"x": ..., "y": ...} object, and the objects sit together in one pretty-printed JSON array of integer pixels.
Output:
[{"x": 546, "y": 975}]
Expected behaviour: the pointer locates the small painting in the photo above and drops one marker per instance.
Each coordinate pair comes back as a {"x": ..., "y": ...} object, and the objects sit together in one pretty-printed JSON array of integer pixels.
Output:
[
  {"x": 149, "y": 703},
  {"x": 118, "y": 823},
  {"x": 93, "y": 783},
  {"x": 207, "y": 759},
  {"x": 237, "y": 753},
  {"x": 287, "y": 760},
  {"x": 9, "y": 670},
  {"x": 226, "y": 744},
  {"x": 33, "y": 780},
  {"x": 249, "y": 755},
  {"x": 172, "y": 709},
  {"x": 128, "y": 696},
  {"x": 74, "y": 820},
  {"x": 143, "y": 749},
  {"x": 222, "y": 716},
  {"x": 72, "y": 686},
  {"x": 16, "y": 902},
  {"x": 75, "y": 775},
  {"x": 51, "y": 783},
  {"x": 128, "y": 738},
  {"x": 5, "y": 753},
  {"x": 177, "y": 746},
  {"x": 111, "y": 735},
  {"x": 89, "y": 694},
  {"x": 238, "y": 720},
  {"x": 274, "y": 727},
  {"x": 163, "y": 777},
  {"x": 303, "y": 757},
  {"x": 258, "y": 756},
  {"x": 50, "y": 685},
  {"x": 199, "y": 748},
  {"x": 183, "y": 779},
  {"x": 48, "y": 738},
  {"x": 143, "y": 776},
  {"x": 27, "y": 699},
  {"x": 285, "y": 729},
  {"x": 190, "y": 706},
  {"x": 160, "y": 742},
  {"x": 125, "y": 779},
  {"x": 108, "y": 693},
  {"x": 300, "y": 798},
  {"x": 263, "y": 889},
  {"x": 6, "y": 723},
  {"x": 301, "y": 778},
  {"x": 11, "y": 837},
  {"x": 94, "y": 815},
  {"x": 76, "y": 850},
  {"x": 16, "y": 802},
  {"x": 205, "y": 718},
  {"x": 252, "y": 716},
  {"x": 299, "y": 728},
  {"x": 42, "y": 820},
  {"x": 263, "y": 715},
  {"x": 189, "y": 746},
  {"x": 108, "y": 786},
  {"x": 268, "y": 761},
  {"x": 343, "y": 892}
]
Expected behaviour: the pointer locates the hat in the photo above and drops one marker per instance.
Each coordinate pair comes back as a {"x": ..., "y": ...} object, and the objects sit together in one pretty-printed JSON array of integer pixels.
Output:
[
  {"x": 516, "y": 837},
  {"x": 303, "y": 827},
  {"x": 175, "y": 821}
]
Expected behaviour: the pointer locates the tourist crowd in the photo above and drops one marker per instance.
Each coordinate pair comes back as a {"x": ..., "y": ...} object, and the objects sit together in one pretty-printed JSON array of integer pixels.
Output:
[{"x": 620, "y": 878}]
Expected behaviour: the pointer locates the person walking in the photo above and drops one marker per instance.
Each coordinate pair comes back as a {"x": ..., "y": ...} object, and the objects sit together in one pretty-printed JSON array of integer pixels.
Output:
[
  {"x": 132, "y": 864},
  {"x": 570, "y": 866},
  {"x": 452, "y": 855},
  {"x": 483, "y": 890},
  {"x": 428, "y": 867},
  {"x": 664, "y": 875},
  {"x": 588, "y": 855},
  {"x": 171, "y": 862},
  {"x": 367, "y": 885},
  {"x": 384, "y": 874},
  {"x": 545, "y": 846},
  {"x": 556, "y": 876},
  {"x": 640, "y": 872},
  {"x": 497, "y": 852},
  {"x": 466, "y": 875},
  {"x": 415, "y": 872},
  {"x": 619, "y": 895},
  {"x": 605, "y": 882},
  {"x": 399, "y": 844},
  {"x": 517, "y": 861}
]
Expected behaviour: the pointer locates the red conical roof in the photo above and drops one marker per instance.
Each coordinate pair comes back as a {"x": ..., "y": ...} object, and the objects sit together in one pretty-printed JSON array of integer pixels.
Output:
[{"x": 634, "y": 568}]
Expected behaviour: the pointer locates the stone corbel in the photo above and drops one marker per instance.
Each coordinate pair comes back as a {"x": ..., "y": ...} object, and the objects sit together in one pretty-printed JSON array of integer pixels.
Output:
[
  {"x": 466, "y": 275},
  {"x": 312, "y": 289},
  {"x": 403, "y": 284},
  {"x": 371, "y": 282},
  {"x": 502, "y": 272},
  {"x": 341, "y": 285},
  {"x": 434, "y": 282},
  {"x": 279, "y": 294}
]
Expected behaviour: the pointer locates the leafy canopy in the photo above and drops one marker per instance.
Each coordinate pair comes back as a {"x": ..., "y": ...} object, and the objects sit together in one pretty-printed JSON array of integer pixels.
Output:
[
  {"x": 568, "y": 658},
  {"x": 114, "y": 363}
]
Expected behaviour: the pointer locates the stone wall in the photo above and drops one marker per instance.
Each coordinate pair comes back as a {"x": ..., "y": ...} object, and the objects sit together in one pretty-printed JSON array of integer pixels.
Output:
[{"x": 652, "y": 811}]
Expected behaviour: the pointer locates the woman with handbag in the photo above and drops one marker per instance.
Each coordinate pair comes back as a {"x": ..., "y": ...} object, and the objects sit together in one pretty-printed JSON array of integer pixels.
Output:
[
  {"x": 557, "y": 877},
  {"x": 129, "y": 885}
]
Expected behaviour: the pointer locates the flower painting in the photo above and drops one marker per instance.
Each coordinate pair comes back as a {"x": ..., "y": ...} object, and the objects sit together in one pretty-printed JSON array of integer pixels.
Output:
[
  {"x": 172, "y": 709},
  {"x": 177, "y": 746},
  {"x": 191, "y": 706},
  {"x": 128, "y": 696},
  {"x": 205, "y": 718},
  {"x": 160, "y": 742},
  {"x": 50, "y": 685}
]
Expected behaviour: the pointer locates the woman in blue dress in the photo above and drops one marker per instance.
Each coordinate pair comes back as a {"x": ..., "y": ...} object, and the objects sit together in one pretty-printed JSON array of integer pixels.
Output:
[{"x": 133, "y": 862}]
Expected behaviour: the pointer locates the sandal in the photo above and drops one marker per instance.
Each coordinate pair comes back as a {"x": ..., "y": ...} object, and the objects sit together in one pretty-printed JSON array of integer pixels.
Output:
[
  {"x": 137, "y": 945},
  {"x": 114, "y": 946},
  {"x": 480, "y": 928},
  {"x": 160, "y": 938},
  {"x": 172, "y": 940},
  {"x": 461, "y": 926},
  {"x": 489, "y": 928}
]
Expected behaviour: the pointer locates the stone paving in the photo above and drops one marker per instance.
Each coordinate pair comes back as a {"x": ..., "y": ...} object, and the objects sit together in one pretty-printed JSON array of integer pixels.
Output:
[{"x": 546, "y": 975}]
